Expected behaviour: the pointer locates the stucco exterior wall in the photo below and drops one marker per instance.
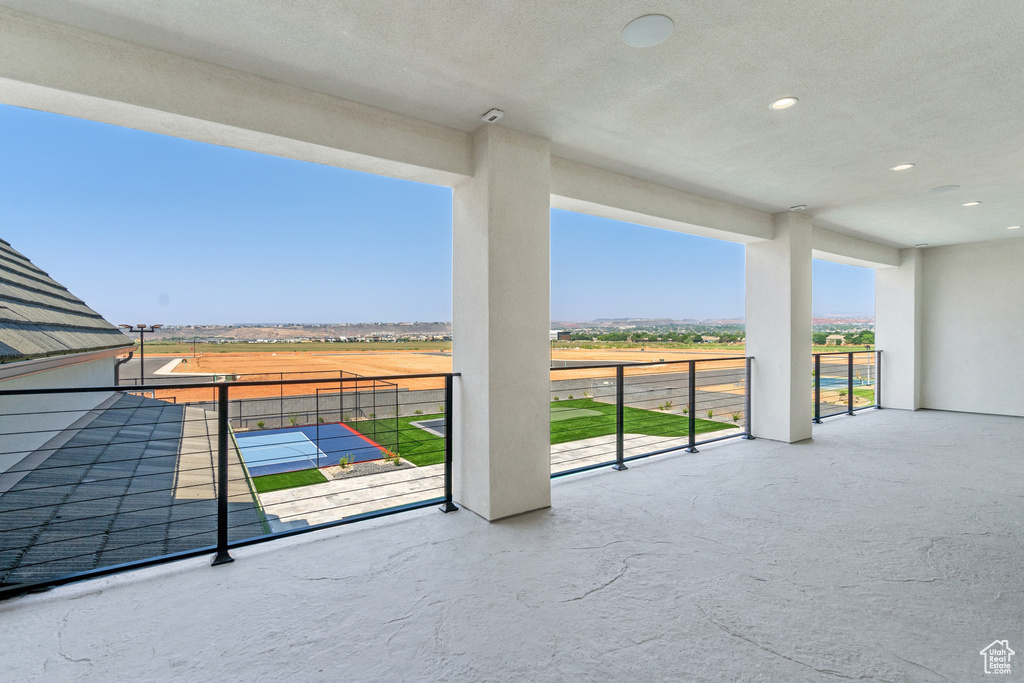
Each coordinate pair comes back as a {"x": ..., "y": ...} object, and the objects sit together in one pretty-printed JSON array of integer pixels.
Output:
[
  {"x": 971, "y": 339},
  {"x": 28, "y": 422}
]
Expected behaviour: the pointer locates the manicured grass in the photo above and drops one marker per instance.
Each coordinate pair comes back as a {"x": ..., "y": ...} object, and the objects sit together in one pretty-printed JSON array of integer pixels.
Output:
[
  {"x": 423, "y": 448},
  {"x": 637, "y": 421},
  {"x": 416, "y": 445},
  {"x": 287, "y": 480},
  {"x": 869, "y": 394},
  {"x": 185, "y": 348}
]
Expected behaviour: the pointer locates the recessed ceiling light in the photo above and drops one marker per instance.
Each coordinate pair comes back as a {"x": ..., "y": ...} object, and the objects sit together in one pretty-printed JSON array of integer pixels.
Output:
[
  {"x": 647, "y": 30},
  {"x": 970, "y": 203},
  {"x": 902, "y": 167},
  {"x": 921, "y": 246},
  {"x": 943, "y": 188},
  {"x": 798, "y": 207},
  {"x": 1014, "y": 227},
  {"x": 783, "y": 103}
]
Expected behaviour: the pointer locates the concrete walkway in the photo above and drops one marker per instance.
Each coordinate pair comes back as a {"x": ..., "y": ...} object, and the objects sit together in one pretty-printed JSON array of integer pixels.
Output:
[
  {"x": 319, "y": 503},
  {"x": 887, "y": 549}
]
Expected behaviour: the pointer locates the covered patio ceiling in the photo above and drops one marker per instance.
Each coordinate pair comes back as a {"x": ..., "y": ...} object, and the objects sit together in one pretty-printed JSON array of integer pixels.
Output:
[{"x": 938, "y": 85}]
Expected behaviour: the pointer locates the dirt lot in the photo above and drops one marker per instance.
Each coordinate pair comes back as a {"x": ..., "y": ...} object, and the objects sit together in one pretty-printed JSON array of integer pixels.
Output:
[{"x": 267, "y": 366}]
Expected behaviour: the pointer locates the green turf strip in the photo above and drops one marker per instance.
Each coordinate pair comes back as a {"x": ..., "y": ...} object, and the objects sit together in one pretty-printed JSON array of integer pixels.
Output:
[
  {"x": 287, "y": 480},
  {"x": 587, "y": 418},
  {"x": 637, "y": 421}
]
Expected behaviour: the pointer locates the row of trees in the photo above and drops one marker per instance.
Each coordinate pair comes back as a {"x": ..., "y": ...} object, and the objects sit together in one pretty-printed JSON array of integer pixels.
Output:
[
  {"x": 861, "y": 338},
  {"x": 637, "y": 337}
]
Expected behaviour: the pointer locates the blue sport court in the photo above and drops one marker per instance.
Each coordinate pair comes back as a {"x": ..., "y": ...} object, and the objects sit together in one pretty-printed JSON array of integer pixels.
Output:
[
  {"x": 842, "y": 382},
  {"x": 274, "y": 451}
]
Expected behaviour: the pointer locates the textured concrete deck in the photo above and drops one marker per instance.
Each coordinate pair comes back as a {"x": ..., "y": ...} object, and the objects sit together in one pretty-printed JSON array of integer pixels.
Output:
[{"x": 888, "y": 549}]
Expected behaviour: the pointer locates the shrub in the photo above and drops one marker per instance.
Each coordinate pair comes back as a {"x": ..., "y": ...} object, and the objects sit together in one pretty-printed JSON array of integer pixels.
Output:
[
  {"x": 345, "y": 461},
  {"x": 320, "y": 420},
  {"x": 735, "y": 417},
  {"x": 292, "y": 420},
  {"x": 418, "y": 412},
  {"x": 570, "y": 397},
  {"x": 373, "y": 416},
  {"x": 842, "y": 393},
  {"x": 261, "y": 424},
  {"x": 686, "y": 410},
  {"x": 555, "y": 399},
  {"x": 711, "y": 413}
]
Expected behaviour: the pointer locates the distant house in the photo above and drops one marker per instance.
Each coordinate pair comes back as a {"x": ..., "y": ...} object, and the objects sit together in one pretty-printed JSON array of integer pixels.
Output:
[
  {"x": 48, "y": 338},
  {"x": 835, "y": 340},
  {"x": 709, "y": 339},
  {"x": 565, "y": 336}
]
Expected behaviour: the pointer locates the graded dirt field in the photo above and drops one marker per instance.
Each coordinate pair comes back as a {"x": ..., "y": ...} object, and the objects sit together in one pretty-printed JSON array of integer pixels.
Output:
[{"x": 271, "y": 366}]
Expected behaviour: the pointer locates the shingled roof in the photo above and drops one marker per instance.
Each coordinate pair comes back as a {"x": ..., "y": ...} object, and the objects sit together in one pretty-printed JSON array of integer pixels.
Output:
[{"x": 40, "y": 317}]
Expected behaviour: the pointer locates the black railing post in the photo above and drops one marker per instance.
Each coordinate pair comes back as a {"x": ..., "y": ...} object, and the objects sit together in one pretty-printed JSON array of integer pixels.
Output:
[
  {"x": 817, "y": 388},
  {"x": 692, "y": 448},
  {"x": 222, "y": 556},
  {"x": 746, "y": 414},
  {"x": 849, "y": 383},
  {"x": 878, "y": 380},
  {"x": 620, "y": 419},
  {"x": 448, "y": 506}
]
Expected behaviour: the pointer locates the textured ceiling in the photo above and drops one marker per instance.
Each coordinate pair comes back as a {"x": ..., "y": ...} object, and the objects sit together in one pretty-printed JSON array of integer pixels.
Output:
[{"x": 938, "y": 84}]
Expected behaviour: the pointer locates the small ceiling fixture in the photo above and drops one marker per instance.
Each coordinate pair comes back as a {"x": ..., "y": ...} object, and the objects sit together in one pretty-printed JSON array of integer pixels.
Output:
[
  {"x": 493, "y": 115},
  {"x": 1014, "y": 227},
  {"x": 921, "y": 246},
  {"x": 943, "y": 188},
  {"x": 970, "y": 203},
  {"x": 783, "y": 103},
  {"x": 902, "y": 167},
  {"x": 648, "y": 30},
  {"x": 798, "y": 207}
]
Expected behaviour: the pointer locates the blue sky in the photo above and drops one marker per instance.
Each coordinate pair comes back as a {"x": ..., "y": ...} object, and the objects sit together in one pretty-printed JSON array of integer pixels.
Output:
[{"x": 150, "y": 228}]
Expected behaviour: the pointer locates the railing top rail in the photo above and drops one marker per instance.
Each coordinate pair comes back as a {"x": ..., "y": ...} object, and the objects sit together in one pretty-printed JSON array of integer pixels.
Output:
[
  {"x": 842, "y": 353},
  {"x": 214, "y": 385},
  {"x": 641, "y": 364}
]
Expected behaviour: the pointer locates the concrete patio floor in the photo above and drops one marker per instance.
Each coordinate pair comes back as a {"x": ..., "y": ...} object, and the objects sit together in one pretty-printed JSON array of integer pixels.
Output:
[{"x": 889, "y": 548}]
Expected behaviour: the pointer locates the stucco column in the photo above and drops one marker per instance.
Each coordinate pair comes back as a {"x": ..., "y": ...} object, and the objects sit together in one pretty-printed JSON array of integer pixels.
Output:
[
  {"x": 500, "y": 319},
  {"x": 779, "y": 330},
  {"x": 898, "y": 330}
]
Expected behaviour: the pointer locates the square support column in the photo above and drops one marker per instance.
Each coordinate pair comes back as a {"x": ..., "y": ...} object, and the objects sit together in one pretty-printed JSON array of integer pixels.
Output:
[
  {"x": 898, "y": 330},
  {"x": 779, "y": 330},
  {"x": 501, "y": 318}
]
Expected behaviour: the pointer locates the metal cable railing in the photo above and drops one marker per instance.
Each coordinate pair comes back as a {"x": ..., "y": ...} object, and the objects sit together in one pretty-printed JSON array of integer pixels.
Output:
[
  {"x": 125, "y": 478},
  {"x": 845, "y": 382},
  {"x": 647, "y": 407}
]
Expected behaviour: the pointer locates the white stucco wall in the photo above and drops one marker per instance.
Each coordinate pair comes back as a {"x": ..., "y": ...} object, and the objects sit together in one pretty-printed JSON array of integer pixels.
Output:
[
  {"x": 28, "y": 422},
  {"x": 972, "y": 321}
]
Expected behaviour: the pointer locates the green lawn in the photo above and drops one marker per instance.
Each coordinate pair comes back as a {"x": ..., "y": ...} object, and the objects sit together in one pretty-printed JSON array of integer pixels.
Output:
[
  {"x": 637, "y": 421},
  {"x": 869, "y": 394},
  {"x": 590, "y": 419},
  {"x": 287, "y": 480},
  {"x": 416, "y": 445}
]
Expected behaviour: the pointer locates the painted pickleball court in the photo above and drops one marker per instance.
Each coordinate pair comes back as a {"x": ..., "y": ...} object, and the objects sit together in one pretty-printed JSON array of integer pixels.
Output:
[{"x": 274, "y": 451}]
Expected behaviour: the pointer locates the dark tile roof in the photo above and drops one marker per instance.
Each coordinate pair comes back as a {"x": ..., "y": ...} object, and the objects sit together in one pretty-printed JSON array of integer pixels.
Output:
[{"x": 40, "y": 317}]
